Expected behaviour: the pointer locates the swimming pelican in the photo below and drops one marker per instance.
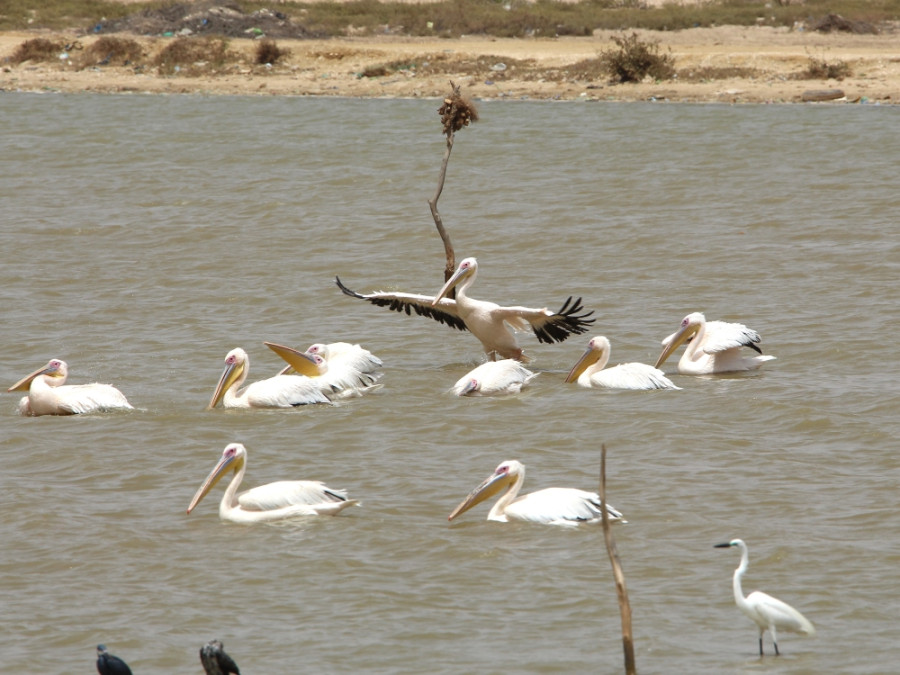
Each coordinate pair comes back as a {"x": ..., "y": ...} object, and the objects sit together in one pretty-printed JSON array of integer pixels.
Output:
[
  {"x": 492, "y": 324},
  {"x": 107, "y": 664},
  {"x": 275, "y": 501},
  {"x": 281, "y": 391},
  {"x": 506, "y": 376},
  {"x": 713, "y": 347},
  {"x": 215, "y": 661},
  {"x": 48, "y": 393},
  {"x": 589, "y": 371},
  {"x": 765, "y": 611},
  {"x": 554, "y": 506},
  {"x": 337, "y": 377}
]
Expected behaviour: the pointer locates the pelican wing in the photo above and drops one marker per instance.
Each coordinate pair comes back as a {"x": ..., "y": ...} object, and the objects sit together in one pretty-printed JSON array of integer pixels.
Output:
[
  {"x": 559, "y": 506},
  {"x": 85, "y": 398},
  {"x": 722, "y": 336},
  {"x": 445, "y": 312},
  {"x": 284, "y": 391},
  {"x": 350, "y": 356},
  {"x": 631, "y": 376},
  {"x": 287, "y": 493},
  {"x": 547, "y": 326}
]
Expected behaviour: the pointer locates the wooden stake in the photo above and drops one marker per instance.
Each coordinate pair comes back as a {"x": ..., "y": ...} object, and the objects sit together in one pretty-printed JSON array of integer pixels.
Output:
[{"x": 621, "y": 590}]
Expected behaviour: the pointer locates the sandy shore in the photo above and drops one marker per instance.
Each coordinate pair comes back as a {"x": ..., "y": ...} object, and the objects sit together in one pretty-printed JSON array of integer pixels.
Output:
[{"x": 492, "y": 68}]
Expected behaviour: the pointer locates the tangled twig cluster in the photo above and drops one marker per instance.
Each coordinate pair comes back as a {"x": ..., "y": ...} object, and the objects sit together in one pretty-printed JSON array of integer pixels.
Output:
[{"x": 456, "y": 112}]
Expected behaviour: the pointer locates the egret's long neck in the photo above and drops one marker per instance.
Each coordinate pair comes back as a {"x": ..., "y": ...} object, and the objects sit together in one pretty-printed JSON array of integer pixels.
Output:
[
  {"x": 738, "y": 573},
  {"x": 229, "y": 499},
  {"x": 498, "y": 510}
]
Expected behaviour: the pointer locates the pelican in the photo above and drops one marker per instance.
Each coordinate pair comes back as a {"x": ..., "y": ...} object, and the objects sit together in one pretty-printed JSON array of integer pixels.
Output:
[
  {"x": 48, "y": 393},
  {"x": 713, "y": 347},
  {"x": 554, "y": 506},
  {"x": 765, "y": 611},
  {"x": 266, "y": 503},
  {"x": 492, "y": 324},
  {"x": 589, "y": 371},
  {"x": 108, "y": 664},
  {"x": 281, "y": 391},
  {"x": 336, "y": 377},
  {"x": 215, "y": 661},
  {"x": 506, "y": 376}
]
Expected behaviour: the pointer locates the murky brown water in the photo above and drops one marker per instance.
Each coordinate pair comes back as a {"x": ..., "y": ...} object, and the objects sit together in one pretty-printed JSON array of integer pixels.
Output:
[{"x": 144, "y": 237}]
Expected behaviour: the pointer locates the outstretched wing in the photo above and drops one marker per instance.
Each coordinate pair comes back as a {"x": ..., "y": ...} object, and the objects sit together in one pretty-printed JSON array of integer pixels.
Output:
[
  {"x": 549, "y": 327},
  {"x": 445, "y": 312}
]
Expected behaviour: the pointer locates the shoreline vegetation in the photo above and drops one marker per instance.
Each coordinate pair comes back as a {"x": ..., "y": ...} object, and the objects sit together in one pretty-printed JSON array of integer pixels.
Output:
[{"x": 783, "y": 51}]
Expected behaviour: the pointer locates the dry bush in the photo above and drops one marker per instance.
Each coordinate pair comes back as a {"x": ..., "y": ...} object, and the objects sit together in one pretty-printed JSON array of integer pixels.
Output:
[
  {"x": 191, "y": 56},
  {"x": 635, "y": 59},
  {"x": 268, "y": 51},
  {"x": 834, "y": 23},
  {"x": 113, "y": 51},
  {"x": 820, "y": 69},
  {"x": 38, "y": 49}
]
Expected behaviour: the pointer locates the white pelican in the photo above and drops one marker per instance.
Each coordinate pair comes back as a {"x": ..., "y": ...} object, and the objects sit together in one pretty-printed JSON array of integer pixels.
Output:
[
  {"x": 275, "y": 501},
  {"x": 336, "y": 377},
  {"x": 506, "y": 376},
  {"x": 554, "y": 506},
  {"x": 48, "y": 393},
  {"x": 713, "y": 347},
  {"x": 765, "y": 611},
  {"x": 589, "y": 371},
  {"x": 492, "y": 324},
  {"x": 281, "y": 391}
]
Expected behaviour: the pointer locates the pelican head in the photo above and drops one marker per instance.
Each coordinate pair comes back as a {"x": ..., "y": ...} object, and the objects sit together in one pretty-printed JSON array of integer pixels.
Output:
[
  {"x": 690, "y": 326},
  {"x": 55, "y": 373},
  {"x": 504, "y": 476},
  {"x": 306, "y": 363},
  {"x": 236, "y": 364},
  {"x": 470, "y": 387},
  {"x": 232, "y": 459},
  {"x": 597, "y": 350},
  {"x": 467, "y": 269}
]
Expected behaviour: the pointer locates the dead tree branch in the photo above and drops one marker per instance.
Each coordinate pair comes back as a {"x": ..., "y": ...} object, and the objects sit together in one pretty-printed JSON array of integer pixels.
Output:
[
  {"x": 456, "y": 113},
  {"x": 621, "y": 591}
]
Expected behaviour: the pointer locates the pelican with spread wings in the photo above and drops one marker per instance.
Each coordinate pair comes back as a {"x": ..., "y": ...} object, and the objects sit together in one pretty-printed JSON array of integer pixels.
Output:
[{"x": 491, "y": 323}]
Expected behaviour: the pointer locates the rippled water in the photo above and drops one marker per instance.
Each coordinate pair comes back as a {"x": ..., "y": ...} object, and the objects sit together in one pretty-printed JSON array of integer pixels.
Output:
[{"x": 144, "y": 237}]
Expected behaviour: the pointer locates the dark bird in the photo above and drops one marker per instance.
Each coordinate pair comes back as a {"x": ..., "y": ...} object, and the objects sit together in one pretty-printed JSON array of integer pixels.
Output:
[
  {"x": 107, "y": 664},
  {"x": 215, "y": 661}
]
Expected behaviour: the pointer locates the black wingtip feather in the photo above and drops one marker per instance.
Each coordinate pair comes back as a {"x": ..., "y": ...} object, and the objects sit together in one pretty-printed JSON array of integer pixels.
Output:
[{"x": 565, "y": 323}]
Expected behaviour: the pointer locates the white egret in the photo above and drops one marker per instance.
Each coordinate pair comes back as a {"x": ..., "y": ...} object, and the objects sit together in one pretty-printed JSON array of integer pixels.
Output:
[{"x": 765, "y": 611}]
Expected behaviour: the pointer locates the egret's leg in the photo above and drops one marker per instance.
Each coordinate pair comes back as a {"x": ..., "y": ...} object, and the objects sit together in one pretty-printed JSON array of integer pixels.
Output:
[
  {"x": 774, "y": 639},
  {"x": 760, "y": 645}
]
